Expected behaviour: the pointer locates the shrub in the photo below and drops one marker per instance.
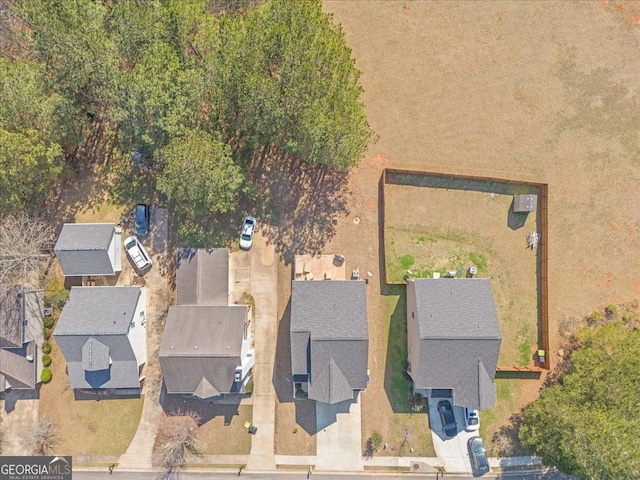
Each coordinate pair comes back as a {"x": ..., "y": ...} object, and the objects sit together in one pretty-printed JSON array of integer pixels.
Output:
[
  {"x": 594, "y": 317},
  {"x": 46, "y": 347},
  {"x": 375, "y": 441},
  {"x": 56, "y": 294},
  {"x": 628, "y": 317},
  {"x": 46, "y": 360},
  {"x": 248, "y": 389},
  {"x": 46, "y": 333},
  {"x": 48, "y": 321},
  {"x": 611, "y": 310},
  {"x": 46, "y": 375}
]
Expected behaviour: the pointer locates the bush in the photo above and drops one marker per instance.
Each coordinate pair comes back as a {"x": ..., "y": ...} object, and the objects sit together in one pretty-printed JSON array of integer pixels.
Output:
[
  {"x": 46, "y": 360},
  {"x": 594, "y": 317},
  {"x": 375, "y": 441},
  {"x": 248, "y": 389},
  {"x": 48, "y": 321},
  {"x": 56, "y": 294},
  {"x": 611, "y": 310},
  {"x": 46, "y": 347},
  {"x": 46, "y": 333},
  {"x": 46, "y": 375}
]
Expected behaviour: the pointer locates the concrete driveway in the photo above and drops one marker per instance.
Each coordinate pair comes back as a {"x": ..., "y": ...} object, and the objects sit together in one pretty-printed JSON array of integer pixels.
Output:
[
  {"x": 339, "y": 437},
  {"x": 139, "y": 452},
  {"x": 452, "y": 452}
]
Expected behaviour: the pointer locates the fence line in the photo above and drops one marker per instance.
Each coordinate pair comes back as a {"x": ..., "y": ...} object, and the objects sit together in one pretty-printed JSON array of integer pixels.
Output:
[{"x": 393, "y": 176}]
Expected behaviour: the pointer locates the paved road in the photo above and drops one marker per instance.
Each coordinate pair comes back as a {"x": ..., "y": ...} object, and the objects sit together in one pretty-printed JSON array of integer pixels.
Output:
[
  {"x": 216, "y": 475},
  {"x": 263, "y": 286}
]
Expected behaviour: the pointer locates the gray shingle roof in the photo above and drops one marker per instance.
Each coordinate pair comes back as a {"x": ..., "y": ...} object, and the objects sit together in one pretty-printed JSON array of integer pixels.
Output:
[
  {"x": 329, "y": 336},
  {"x": 83, "y": 249},
  {"x": 98, "y": 311},
  {"x": 458, "y": 326},
  {"x": 100, "y": 317},
  {"x": 17, "y": 369},
  {"x": 202, "y": 276},
  {"x": 11, "y": 313},
  {"x": 95, "y": 355},
  {"x": 202, "y": 342}
]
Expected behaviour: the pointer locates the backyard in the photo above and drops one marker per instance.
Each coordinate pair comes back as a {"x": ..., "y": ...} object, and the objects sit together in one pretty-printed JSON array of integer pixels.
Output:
[{"x": 450, "y": 231}]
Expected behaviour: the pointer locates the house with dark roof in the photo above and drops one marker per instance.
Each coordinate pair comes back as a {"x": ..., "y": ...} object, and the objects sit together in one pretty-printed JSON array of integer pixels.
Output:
[
  {"x": 329, "y": 339},
  {"x": 102, "y": 335},
  {"x": 453, "y": 339},
  {"x": 206, "y": 349},
  {"x": 85, "y": 249},
  {"x": 21, "y": 312}
]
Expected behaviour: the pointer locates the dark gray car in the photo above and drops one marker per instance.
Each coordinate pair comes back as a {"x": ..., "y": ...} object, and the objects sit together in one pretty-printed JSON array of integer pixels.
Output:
[
  {"x": 478, "y": 456},
  {"x": 142, "y": 219},
  {"x": 448, "y": 418}
]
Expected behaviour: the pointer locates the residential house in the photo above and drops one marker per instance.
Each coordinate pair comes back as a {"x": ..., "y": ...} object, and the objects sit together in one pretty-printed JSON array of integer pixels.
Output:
[
  {"x": 329, "y": 339},
  {"x": 206, "y": 349},
  {"x": 102, "y": 335},
  {"x": 89, "y": 249},
  {"x": 21, "y": 312},
  {"x": 453, "y": 339}
]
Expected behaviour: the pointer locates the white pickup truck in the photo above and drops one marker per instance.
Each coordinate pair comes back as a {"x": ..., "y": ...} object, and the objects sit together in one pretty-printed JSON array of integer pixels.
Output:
[{"x": 137, "y": 253}]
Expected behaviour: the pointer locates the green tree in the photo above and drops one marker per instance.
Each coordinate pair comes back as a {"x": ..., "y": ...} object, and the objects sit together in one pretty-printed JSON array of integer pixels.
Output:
[
  {"x": 28, "y": 169},
  {"x": 288, "y": 79},
  {"x": 587, "y": 425},
  {"x": 199, "y": 177}
]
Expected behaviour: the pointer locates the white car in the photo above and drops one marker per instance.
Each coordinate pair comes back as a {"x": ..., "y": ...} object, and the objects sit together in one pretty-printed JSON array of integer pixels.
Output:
[
  {"x": 471, "y": 420},
  {"x": 137, "y": 253},
  {"x": 246, "y": 236}
]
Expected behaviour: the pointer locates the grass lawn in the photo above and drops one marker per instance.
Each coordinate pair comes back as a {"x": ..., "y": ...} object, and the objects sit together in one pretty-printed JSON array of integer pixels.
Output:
[
  {"x": 386, "y": 408},
  {"x": 87, "y": 427},
  {"x": 233, "y": 439}
]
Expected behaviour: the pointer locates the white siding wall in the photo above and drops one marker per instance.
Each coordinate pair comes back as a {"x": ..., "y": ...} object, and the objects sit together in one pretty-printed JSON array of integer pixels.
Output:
[
  {"x": 137, "y": 333},
  {"x": 115, "y": 250}
]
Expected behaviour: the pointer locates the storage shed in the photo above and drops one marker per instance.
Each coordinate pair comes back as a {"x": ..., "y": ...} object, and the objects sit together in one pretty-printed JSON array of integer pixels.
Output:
[{"x": 525, "y": 203}]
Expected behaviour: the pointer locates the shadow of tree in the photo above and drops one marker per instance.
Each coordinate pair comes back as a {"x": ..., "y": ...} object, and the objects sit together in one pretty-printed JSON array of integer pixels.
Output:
[
  {"x": 305, "y": 200},
  {"x": 505, "y": 442}
]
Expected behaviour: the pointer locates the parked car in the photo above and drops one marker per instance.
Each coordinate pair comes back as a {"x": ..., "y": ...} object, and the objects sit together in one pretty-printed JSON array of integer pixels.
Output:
[
  {"x": 142, "y": 219},
  {"x": 448, "y": 418},
  {"x": 478, "y": 456},
  {"x": 471, "y": 419},
  {"x": 248, "y": 229},
  {"x": 137, "y": 253}
]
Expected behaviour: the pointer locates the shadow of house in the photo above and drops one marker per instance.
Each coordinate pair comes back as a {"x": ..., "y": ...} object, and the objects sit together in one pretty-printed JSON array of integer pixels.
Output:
[
  {"x": 453, "y": 339},
  {"x": 21, "y": 312},
  {"x": 206, "y": 347},
  {"x": 102, "y": 335},
  {"x": 329, "y": 339}
]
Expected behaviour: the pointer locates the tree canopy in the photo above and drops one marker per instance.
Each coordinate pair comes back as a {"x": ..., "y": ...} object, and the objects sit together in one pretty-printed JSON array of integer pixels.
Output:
[
  {"x": 587, "y": 425},
  {"x": 199, "y": 176}
]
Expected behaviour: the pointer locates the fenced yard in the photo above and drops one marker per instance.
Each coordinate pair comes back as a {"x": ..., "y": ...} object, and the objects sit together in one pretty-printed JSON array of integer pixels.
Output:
[{"x": 444, "y": 225}]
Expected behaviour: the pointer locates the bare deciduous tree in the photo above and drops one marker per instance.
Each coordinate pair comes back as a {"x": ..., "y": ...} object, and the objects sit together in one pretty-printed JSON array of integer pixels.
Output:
[
  {"x": 180, "y": 433},
  {"x": 25, "y": 246},
  {"x": 44, "y": 437}
]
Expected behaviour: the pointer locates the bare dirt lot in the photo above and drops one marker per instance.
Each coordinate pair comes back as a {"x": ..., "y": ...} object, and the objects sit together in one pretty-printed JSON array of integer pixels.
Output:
[{"x": 537, "y": 91}]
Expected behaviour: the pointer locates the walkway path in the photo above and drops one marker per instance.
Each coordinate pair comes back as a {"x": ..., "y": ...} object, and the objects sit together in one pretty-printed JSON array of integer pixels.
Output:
[{"x": 263, "y": 287}]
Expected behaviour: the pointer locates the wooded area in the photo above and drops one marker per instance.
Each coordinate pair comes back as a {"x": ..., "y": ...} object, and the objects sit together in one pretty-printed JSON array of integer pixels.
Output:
[{"x": 193, "y": 83}]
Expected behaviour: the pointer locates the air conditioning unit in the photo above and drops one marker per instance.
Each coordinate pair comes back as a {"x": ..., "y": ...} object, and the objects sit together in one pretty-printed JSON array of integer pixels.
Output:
[{"x": 238, "y": 375}]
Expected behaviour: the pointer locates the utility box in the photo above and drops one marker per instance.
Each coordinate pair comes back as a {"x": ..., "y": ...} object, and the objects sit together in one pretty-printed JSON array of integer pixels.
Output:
[{"x": 525, "y": 203}]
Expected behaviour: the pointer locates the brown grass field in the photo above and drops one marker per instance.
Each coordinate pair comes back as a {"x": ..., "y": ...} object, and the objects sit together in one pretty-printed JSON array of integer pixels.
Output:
[{"x": 538, "y": 91}]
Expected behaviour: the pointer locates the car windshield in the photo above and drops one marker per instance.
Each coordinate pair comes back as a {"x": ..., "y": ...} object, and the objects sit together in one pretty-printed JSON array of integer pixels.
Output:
[
  {"x": 130, "y": 245},
  {"x": 473, "y": 421},
  {"x": 246, "y": 236}
]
